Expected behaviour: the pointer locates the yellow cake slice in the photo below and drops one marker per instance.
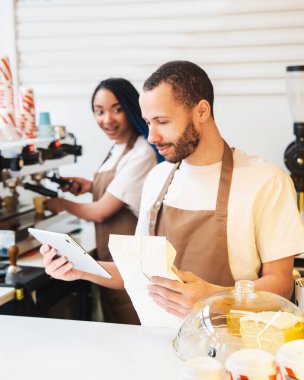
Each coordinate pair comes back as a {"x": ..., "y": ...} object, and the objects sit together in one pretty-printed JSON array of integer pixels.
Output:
[
  {"x": 233, "y": 320},
  {"x": 270, "y": 329}
]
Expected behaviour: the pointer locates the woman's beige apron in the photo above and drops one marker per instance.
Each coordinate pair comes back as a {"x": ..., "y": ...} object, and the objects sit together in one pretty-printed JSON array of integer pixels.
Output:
[
  {"x": 199, "y": 237},
  {"x": 116, "y": 304}
]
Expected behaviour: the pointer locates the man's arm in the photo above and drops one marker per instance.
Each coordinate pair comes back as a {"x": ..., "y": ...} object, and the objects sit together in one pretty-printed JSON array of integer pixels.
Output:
[
  {"x": 277, "y": 277},
  {"x": 61, "y": 269},
  {"x": 178, "y": 298}
]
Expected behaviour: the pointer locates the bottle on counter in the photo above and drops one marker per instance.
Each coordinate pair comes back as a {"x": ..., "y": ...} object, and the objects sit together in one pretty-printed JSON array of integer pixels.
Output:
[
  {"x": 202, "y": 368},
  {"x": 252, "y": 364},
  {"x": 290, "y": 357}
]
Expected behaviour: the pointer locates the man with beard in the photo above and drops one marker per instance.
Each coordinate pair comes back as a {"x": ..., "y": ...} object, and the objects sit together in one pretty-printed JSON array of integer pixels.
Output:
[{"x": 230, "y": 216}]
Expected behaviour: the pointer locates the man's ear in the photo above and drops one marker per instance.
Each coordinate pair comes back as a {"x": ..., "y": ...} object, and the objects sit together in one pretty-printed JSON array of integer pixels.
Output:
[{"x": 204, "y": 110}]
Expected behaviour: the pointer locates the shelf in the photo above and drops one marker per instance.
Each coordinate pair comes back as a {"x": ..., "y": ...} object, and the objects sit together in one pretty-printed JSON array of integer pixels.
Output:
[
  {"x": 45, "y": 166},
  {"x": 24, "y": 142}
]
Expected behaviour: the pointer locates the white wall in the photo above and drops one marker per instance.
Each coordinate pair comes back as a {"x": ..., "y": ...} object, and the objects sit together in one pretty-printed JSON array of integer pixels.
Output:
[{"x": 65, "y": 47}]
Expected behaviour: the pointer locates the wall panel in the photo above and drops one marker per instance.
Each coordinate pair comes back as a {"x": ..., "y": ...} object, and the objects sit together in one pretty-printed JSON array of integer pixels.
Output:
[
  {"x": 66, "y": 41},
  {"x": 65, "y": 47}
]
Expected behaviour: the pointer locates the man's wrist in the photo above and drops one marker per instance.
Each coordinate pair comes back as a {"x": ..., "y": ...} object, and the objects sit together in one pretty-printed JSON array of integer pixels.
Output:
[{"x": 212, "y": 288}]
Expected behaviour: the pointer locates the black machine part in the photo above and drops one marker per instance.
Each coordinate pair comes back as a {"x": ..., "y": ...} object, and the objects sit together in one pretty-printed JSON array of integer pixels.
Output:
[
  {"x": 15, "y": 163},
  {"x": 30, "y": 155},
  {"x": 294, "y": 157},
  {"x": 60, "y": 181},
  {"x": 40, "y": 190},
  {"x": 65, "y": 182},
  {"x": 75, "y": 149}
]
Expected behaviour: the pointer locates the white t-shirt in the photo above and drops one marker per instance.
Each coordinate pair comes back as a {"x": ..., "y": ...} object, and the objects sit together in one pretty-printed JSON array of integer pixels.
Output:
[
  {"x": 263, "y": 221},
  {"x": 131, "y": 172}
]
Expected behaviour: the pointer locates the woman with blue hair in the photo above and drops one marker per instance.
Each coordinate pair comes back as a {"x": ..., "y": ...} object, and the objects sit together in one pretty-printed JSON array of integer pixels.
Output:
[{"x": 117, "y": 185}]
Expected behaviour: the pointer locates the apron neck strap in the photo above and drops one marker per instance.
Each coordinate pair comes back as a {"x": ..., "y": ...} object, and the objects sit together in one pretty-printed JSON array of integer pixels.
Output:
[
  {"x": 130, "y": 144},
  {"x": 225, "y": 180}
]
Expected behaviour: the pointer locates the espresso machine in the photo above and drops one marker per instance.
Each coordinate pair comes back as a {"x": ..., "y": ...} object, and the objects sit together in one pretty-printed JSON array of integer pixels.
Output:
[
  {"x": 294, "y": 153},
  {"x": 29, "y": 167}
]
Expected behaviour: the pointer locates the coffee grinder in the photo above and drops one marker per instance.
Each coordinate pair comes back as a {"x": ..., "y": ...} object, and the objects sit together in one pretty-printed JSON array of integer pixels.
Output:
[{"x": 294, "y": 153}]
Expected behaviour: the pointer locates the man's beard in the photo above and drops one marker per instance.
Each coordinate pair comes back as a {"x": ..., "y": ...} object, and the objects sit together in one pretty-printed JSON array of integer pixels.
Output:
[{"x": 185, "y": 145}]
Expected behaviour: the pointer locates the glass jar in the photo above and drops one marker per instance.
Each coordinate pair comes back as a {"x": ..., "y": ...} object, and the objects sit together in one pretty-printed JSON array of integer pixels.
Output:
[{"x": 239, "y": 318}]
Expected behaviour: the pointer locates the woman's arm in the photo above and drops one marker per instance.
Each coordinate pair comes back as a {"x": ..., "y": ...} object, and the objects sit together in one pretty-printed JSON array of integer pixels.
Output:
[{"x": 98, "y": 211}]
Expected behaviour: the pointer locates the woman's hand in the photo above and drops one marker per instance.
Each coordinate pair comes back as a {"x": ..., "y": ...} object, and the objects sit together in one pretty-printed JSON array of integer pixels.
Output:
[
  {"x": 79, "y": 185},
  {"x": 58, "y": 267},
  {"x": 55, "y": 204}
]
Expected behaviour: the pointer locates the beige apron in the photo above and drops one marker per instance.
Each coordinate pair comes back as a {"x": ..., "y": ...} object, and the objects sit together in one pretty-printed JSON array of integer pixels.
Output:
[
  {"x": 199, "y": 237},
  {"x": 116, "y": 304}
]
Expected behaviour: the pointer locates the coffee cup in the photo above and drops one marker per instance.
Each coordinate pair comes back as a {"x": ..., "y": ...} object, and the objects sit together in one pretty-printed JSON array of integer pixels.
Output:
[
  {"x": 199, "y": 368},
  {"x": 9, "y": 201},
  {"x": 39, "y": 204},
  {"x": 251, "y": 364},
  {"x": 290, "y": 359}
]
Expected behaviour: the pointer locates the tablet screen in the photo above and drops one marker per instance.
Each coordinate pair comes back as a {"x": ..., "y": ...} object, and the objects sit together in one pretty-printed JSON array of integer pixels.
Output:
[{"x": 67, "y": 246}]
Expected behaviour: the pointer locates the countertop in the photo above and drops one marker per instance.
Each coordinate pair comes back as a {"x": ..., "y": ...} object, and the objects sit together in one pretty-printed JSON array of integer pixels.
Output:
[{"x": 41, "y": 348}]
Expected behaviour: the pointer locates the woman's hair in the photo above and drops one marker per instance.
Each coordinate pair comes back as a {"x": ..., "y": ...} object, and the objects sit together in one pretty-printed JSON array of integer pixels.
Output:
[{"x": 128, "y": 96}]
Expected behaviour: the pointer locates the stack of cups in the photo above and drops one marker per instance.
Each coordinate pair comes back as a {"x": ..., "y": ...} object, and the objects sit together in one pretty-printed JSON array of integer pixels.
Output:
[
  {"x": 252, "y": 364},
  {"x": 27, "y": 112},
  {"x": 6, "y": 85},
  {"x": 8, "y": 128}
]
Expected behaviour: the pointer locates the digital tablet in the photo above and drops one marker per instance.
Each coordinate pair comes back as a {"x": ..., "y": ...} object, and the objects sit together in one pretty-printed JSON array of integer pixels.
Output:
[{"x": 67, "y": 246}]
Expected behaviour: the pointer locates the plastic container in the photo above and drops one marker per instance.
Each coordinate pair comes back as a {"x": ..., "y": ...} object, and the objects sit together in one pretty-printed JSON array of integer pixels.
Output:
[
  {"x": 252, "y": 364},
  {"x": 290, "y": 357},
  {"x": 295, "y": 92},
  {"x": 241, "y": 318},
  {"x": 202, "y": 368},
  {"x": 299, "y": 293}
]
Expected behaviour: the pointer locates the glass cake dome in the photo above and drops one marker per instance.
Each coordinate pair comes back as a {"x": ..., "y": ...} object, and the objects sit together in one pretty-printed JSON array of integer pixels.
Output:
[{"x": 240, "y": 318}]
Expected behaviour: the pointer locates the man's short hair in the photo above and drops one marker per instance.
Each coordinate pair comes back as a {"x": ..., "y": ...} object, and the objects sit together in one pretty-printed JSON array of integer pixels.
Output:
[{"x": 189, "y": 82}]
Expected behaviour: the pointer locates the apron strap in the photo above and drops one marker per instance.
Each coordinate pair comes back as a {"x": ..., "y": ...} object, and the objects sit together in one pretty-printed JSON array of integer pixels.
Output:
[
  {"x": 130, "y": 144},
  {"x": 159, "y": 201},
  {"x": 225, "y": 180},
  {"x": 222, "y": 196}
]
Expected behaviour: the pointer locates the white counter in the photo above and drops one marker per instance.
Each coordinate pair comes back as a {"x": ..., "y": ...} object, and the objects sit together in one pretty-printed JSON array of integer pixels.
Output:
[{"x": 50, "y": 349}]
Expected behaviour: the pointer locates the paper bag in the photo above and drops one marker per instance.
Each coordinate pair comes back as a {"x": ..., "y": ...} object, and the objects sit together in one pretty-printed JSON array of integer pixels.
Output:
[{"x": 138, "y": 258}]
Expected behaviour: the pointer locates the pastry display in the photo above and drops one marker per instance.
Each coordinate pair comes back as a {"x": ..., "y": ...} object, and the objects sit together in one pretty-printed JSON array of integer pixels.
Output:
[{"x": 270, "y": 329}]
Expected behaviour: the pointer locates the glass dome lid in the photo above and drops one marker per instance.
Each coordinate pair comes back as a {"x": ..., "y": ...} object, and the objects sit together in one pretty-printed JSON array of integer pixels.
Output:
[{"x": 239, "y": 318}]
